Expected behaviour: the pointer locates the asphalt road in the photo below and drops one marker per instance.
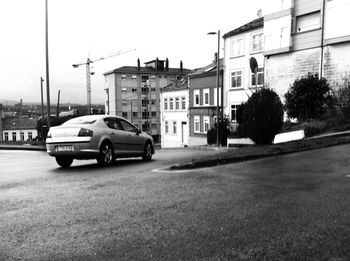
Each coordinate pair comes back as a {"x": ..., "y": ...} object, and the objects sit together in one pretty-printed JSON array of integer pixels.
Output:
[{"x": 293, "y": 207}]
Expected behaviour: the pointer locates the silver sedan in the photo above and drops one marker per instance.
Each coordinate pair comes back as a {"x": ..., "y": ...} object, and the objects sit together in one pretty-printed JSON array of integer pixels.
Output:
[{"x": 100, "y": 137}]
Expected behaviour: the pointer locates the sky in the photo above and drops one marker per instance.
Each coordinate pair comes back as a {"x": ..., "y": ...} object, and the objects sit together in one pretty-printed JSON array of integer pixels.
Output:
[{"x": 78, "y": 29}]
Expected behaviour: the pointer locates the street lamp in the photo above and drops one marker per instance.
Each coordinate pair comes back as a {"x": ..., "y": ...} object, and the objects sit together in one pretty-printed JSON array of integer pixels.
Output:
[{"x": 217, "y": 90}]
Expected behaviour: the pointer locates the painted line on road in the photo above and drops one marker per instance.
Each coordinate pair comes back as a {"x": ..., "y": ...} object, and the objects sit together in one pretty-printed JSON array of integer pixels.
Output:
[{"x": 167, "y": 170}]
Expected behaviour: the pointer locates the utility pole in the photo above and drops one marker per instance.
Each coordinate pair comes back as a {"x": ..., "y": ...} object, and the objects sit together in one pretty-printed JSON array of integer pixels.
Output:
[
  {"x": 20, "y": 117},
  {"x": 42, "y": 99},
  {"x": 58, "y": 104},
  {"x": 47, "y": 67}
]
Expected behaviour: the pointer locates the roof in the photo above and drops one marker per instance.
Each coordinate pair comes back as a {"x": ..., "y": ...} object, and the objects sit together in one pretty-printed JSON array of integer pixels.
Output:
[
  {"x": 135, "y": 70},
  {"x": 179, "y": 84},
  {"x": 209, "y": 69},
  {"x": 257, "y": 23},
  {"x": 16, "y": 123}
]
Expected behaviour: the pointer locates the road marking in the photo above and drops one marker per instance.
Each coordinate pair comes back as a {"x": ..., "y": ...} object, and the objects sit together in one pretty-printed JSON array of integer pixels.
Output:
[{"x": 167, "y": 170}]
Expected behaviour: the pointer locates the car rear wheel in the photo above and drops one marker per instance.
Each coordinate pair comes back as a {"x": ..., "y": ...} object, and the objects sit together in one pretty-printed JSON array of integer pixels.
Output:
[
  {"x": 105, "y": 157},
  {"x": 147, "y": 153},
  {"x": 64, "y": 162}
]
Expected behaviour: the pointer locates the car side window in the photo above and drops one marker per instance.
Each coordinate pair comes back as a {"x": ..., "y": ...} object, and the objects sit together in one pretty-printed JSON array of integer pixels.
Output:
[
  {"x": 127, "y": 126},
  {"x": 112, "y": 123}
]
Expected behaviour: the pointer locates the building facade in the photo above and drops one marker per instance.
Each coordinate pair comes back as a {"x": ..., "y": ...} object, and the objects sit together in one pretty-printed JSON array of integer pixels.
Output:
[
  {"x": 303, "y": 36},
  {"x": 16, "y": 129},
  {"x": 203, "y": 101},
  {"x": 133, "y": 92},
  {"x": 174, "y": 114},
  {"x": 242, "y": 46}
]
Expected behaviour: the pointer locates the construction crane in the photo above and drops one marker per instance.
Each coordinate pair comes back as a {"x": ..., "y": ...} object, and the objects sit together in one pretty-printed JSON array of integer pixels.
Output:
[{"x": 89, "y": 73}]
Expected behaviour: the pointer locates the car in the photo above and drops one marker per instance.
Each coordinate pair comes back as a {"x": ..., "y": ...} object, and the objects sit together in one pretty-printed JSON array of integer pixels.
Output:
[{"x": 100, "y": 137}]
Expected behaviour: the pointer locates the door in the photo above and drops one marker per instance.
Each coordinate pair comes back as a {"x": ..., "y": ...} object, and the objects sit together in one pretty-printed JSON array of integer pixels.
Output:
[
  {"x": 117, "y": 136},
  {"x": 134, "y": 140},
  {"x": 184, "y": 133}
]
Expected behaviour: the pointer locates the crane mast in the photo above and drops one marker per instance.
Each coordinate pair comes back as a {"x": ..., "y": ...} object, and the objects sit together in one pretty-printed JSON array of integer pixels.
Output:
[{"x": 88, "y": 73}]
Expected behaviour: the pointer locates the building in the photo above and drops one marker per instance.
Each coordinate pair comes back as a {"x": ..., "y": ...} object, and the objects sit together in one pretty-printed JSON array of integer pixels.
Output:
[
  {"x": 303, "y": 36},
  {"x": 19, "y": 129},
  {"x": 174, "y": 114},
  {"x": 133, "y": 92},
  {"x": 242, "y": 46},
  {"x": 1, "y": 118},
  {"x": 203, "y": 101}
]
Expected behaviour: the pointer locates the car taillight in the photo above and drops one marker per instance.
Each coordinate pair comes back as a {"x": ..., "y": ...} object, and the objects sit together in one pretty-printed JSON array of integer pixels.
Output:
[
  {"x": 49, "y": 135},
  {"x": 85, "y": 133}
]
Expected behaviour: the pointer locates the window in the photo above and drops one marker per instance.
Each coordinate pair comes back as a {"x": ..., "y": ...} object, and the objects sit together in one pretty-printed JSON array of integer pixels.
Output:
[
  {"x": 153, "y": 102},
  {"x": 144, "y": 90},
  {"x": 14, "y": 136},
  {"x": 196, "y": 97},
  {"x": 144, "y": 78},
  {"x": 183, "y": 103},
  {"x": 234, "y": 108},
  {"x": 145, "y": 126},
  {"x": 22, "y": 135},
  {"x": 236, "y": 79},
  {"x": 206, "y": 96},
  {"x": 216, "y": 95},
  {"x": 206, "y": 123},
  {"x": 30, "y": 135},
  {"x": 134, "y": 90},
  {"x": 177, "y": 103},
  {"x": 145, "y": 115},
  {"x": 127, "y": 126},
  {"x": 145, "y": 102},
  {"x": 124, "y": 114},
  {"x": 196, "y": 124},
  {"x": 237, "y": 47},
  {"x": 6, "y": 136},
  {"x": 308, "y": 22},
  {"x": 166, "y": 104},
  {"x": 134, "y": 77},
  {"x": 124, "y": 102},
  {"x": 153, "y": 89},
  {"x": 124, "y": 90},
  {"x": 174, "y": 127},
  {"x": 154, "y": 114},
  {"x": 260, "y": 75},
  {"x": 166, "y": 127},
  {"x": 112, "y": 123},
  {"x": 123, "y": 77},
  {"x": 134, "y": 114},
  {"x": 257, "y": 42},
  {"x": 153, "y": 77},
  {"x": 171, "y": 103},
  {"x": 154, "y": 126}
]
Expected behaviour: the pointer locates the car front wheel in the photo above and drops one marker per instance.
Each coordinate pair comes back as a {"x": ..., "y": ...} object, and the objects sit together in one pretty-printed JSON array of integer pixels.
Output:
[
  {"x": 64, "y": 162},
  {"x": 105, "y": 157},
  {"x": 147, "y": 153}
]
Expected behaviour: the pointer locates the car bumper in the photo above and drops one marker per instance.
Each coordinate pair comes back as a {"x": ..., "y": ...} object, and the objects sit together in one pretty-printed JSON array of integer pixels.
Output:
[{"x": 76, "y": 150}]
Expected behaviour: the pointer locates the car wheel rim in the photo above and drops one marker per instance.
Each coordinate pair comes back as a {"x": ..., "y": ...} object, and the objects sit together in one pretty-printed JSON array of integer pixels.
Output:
[
  {"x": 107, "y": 154},
  {"x": 148, "y": 151}
]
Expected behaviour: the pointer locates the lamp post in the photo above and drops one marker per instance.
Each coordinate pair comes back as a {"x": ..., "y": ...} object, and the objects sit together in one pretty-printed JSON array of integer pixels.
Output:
[
  {"x": 47, "y": 67},
  {"x": 217, "y": 90}
]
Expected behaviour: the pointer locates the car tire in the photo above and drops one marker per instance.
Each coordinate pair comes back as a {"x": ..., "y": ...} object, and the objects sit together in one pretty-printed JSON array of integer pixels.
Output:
[
  {"x": 106, "y": 155},
  {"x": 147, "y": 152},
  {"x": 64, "y": 162}
]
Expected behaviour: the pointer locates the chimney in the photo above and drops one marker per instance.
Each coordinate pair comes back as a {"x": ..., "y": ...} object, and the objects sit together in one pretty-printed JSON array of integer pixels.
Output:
[
  {"x": 157, "y": 61},
  {"x": 167, "y": 64},
  {"x": 138, "y": 63},
  {"x": 181, "y": 66}
]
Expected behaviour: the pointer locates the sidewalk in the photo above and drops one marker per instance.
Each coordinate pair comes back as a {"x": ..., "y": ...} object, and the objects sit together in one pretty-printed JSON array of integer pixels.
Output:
[{"x": 22, "y": 147}]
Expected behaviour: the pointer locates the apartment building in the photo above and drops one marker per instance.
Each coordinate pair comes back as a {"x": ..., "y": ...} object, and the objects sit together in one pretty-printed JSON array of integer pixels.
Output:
[
  {"x": 174, "y": 114},
  {"x": 303, "y": 36},
  {"x": 243, "y": 46},
  {"x": 133, "y": 92},
  {"x": 203, "y": 101}
]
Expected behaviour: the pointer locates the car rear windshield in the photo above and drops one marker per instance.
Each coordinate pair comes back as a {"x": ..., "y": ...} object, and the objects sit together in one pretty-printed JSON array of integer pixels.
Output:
[{"x": 80, "y": 121}]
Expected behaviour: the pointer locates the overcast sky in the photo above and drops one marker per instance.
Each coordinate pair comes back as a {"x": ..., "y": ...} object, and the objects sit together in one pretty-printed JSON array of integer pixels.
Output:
[{"x": 173, "y": 29}]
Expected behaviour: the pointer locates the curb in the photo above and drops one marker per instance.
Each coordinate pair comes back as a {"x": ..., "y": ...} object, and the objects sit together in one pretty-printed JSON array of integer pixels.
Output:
[{"x": 22, "y": 147}]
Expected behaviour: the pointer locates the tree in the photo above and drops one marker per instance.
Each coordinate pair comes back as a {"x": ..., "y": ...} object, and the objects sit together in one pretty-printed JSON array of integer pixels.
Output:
[
  {"x": 262, "y": 116},
  {"x": 307, "y": 97}
]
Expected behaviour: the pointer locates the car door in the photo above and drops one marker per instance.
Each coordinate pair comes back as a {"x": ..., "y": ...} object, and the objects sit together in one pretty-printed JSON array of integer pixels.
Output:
[
  {"x": 117, "y": 135},
  {"x": 135, "y": 141}
]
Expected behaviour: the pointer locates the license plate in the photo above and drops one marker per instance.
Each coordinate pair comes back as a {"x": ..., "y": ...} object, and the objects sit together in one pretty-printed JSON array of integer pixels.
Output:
[{"x": 64, "y": 148}]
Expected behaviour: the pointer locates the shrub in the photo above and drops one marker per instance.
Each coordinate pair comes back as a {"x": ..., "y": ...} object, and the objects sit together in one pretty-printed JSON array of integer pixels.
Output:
[
  {"x": 307, "y": 97},
  {"x": 224, "y": 133},
  {"x": 342, "y": 97},
  {"x": 314, "y": 127},
  {"x": 262, "y": 116}
]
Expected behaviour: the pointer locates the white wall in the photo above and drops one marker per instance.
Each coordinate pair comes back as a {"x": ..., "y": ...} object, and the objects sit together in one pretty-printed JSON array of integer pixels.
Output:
[
  {"x": 171, "y": 140},
  {"x": 110, "y": 84},
  {"x": 277, "y": 33},
  {"x": 337, "y": 19},
  {"x": 18, "y": 136}
]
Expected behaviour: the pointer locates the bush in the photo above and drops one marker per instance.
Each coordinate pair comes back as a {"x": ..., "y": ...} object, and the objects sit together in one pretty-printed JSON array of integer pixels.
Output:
[
  {"x": 342, "y": 97},
  {"x": 307, "y": 97},
  {"x": 224, "y": 133},
  {"x": 314, "y": 127},
  {"x": 262, "y": 116}
]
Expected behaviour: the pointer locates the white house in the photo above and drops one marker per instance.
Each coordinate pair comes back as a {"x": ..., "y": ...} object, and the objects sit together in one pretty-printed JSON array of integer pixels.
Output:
[
  {"x": 174, "y": 114},
  {"x": 16, "y": 129},
  {"x": 242, "y": 45}
]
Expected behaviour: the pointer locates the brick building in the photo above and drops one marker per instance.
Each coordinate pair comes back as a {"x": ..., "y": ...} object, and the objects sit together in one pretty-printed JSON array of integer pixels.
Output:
[{"x": 133, "y": 92}]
